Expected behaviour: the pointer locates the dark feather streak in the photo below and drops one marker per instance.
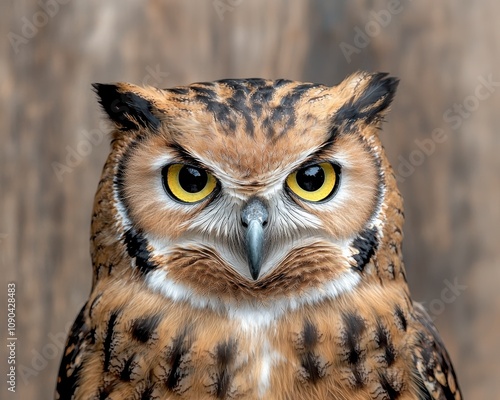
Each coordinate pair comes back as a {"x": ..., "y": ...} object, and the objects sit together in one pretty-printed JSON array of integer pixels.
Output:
[
  {"x": 354, "y": 328},
  {"x": 225, "y": 355},
  {"x": 137, "y": 247},
  {"x": 366, "y": 243},
  {"x": 142, "y": 329},
  {"x": 400, "y": 318},
  {"x": 181, "y": 346},
  {"x": 310, "y": 361},
  {"x": 70, "y": 369},
  {"x": 389, "y": 388},
  {"x": 108, "y": 341}
]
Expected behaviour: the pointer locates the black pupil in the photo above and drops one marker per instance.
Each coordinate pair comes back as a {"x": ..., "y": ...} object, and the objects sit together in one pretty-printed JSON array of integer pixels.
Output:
[
  {"x": 192, "y": 180},
  {"x": 311, "y": 178}
]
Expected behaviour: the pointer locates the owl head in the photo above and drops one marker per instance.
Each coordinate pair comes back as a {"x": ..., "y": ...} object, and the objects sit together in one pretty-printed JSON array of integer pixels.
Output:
[{"x": 247, "y": 189}]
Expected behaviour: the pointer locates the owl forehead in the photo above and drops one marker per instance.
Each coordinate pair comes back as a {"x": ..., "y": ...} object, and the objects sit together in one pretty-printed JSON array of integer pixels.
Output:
[
  {"x": 250, "y": 127},
  {"x": 240, "y": 103}
]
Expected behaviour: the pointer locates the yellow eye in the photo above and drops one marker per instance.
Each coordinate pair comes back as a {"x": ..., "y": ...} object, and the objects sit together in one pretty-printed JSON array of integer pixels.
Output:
[
  {"x": 186, "y": 183},
  {"x": 315, "y": 182}
]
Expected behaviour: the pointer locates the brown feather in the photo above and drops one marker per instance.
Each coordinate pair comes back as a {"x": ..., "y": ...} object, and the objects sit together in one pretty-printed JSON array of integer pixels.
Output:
[{"x": 205, "y": 329}]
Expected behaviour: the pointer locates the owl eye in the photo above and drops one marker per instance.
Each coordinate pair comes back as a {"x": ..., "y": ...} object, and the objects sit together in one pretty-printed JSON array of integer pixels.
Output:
[
  {"x": 315, "y": 182},
  {"x": 186, "y": 183}
]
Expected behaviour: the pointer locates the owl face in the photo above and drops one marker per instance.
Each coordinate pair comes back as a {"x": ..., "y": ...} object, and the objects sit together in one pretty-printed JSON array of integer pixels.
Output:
[{"x": 248, "y": 190}]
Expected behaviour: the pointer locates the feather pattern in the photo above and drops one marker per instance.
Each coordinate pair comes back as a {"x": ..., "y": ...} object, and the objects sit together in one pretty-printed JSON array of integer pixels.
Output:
[{"x": 179, "y": 309}]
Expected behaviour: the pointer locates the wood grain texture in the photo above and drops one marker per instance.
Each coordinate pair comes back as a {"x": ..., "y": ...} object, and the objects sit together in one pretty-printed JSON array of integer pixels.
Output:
[{"x": 441, "y": 51}]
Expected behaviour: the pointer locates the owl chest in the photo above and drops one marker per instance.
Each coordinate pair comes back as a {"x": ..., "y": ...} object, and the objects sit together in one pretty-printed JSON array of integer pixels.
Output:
[
  {"x": 183, "y": 355},
  {"x": 186, "y": 353}
]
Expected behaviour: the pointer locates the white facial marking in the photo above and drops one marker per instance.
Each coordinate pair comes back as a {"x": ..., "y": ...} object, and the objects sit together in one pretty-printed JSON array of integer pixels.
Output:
[
  {"x": 252, "y": 316},
  {"x": 269, "y": 358},
  {"x": 160, "y": 283},
  {"x": 120, "y": 209}
]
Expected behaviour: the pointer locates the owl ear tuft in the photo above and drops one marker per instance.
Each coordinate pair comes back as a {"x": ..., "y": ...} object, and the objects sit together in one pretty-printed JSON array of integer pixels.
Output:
[
  {"x": 373, "y": 94},
  {"x": 126, "y": 106}
]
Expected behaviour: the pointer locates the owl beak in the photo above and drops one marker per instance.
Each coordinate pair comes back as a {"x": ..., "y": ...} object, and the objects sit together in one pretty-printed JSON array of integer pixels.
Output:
[{"x": 254, "y": 218}]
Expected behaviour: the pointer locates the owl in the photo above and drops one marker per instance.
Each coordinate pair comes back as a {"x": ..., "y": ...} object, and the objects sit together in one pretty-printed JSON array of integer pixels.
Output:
[{"x": 246, "y": 244}]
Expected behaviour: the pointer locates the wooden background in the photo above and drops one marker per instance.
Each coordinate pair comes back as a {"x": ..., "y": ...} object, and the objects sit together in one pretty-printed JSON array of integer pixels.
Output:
[{"x": 441, "y": 51}]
